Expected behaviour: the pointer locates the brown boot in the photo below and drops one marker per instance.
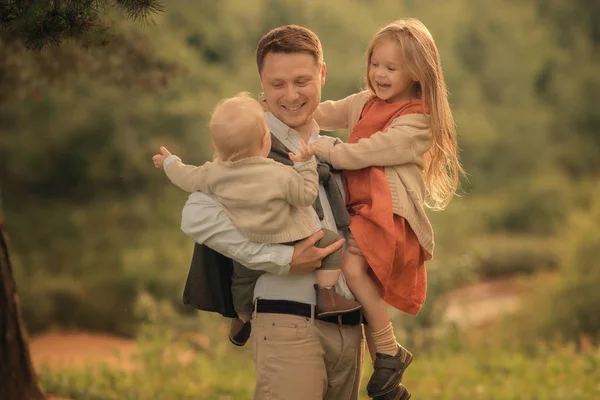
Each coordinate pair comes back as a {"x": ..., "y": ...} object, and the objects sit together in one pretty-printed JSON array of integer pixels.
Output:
[
  {"x": 330, "y": 302},
  {"x": 239, "y": 333}
]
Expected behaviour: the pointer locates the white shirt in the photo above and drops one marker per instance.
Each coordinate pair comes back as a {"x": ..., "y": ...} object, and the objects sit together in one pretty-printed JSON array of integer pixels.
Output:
[{"x": 204, "y": 220}]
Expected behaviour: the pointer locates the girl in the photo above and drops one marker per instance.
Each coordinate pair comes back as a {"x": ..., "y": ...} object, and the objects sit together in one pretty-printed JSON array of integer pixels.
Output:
[{"x": 400, "y": 156}]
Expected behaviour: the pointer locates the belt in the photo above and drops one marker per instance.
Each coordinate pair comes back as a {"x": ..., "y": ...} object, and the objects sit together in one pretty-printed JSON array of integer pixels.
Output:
[{"x": 304, "y": 310}]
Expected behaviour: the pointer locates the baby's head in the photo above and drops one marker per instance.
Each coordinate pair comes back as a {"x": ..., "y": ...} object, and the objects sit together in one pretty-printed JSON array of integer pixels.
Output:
[{"x": 238, "y": 128}]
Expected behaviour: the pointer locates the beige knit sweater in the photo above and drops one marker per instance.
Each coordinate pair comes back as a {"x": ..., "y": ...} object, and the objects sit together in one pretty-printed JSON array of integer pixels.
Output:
[
  {"x": 400, "y": 149},
  {"x": 262, "y": 197}
]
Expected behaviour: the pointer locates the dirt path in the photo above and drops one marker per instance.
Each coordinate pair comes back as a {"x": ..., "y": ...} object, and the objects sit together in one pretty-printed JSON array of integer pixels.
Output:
[
  {"x": 59, "y": 349},
  {"x": 481, "y": 303}
]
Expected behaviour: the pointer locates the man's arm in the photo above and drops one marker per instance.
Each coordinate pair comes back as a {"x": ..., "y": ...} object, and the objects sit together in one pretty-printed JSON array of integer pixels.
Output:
[{"x": 204, "y": 220}]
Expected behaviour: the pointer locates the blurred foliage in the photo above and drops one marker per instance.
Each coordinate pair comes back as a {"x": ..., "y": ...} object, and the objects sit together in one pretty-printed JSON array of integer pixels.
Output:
[
  {"x": 566, "y": 307},
  {"x": 498, "y": 257},
  {"x": 93, "y": 225},
  {"x": 128, "y": 62}
]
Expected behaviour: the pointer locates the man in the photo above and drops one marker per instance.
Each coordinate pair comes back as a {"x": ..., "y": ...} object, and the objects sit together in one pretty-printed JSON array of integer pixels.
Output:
[{"x": 296, "y": 356}]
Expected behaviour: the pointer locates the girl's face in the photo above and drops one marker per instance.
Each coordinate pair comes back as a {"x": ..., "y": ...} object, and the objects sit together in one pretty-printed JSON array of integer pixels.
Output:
[{"x": 387, "y": 74}]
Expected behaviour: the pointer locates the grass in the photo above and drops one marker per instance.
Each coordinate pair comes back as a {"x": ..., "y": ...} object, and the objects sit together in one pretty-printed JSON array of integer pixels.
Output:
[
  {"x": 169, "y": 368},
  {"x": 496, "y": 374}
]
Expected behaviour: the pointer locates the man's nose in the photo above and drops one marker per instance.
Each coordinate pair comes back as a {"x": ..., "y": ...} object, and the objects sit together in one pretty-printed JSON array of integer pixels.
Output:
[{"x": 291, "y": 93}]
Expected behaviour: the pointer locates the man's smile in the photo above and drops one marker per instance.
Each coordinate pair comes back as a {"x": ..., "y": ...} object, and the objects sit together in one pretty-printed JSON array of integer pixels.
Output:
[{"x": 294, "y": 107}]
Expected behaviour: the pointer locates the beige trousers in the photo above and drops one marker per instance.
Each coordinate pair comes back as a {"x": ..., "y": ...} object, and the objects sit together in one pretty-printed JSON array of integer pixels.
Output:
[{"x": 299, "y": 358}]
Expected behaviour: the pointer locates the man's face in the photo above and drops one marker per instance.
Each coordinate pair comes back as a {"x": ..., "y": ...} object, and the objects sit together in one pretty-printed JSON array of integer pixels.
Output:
[{"x": 292, "y": 85}]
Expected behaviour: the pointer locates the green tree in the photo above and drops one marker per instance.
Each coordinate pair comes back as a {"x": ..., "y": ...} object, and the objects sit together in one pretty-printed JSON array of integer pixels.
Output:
[
  {"x": 570, "y": 84},
  {"x": 34, "y": 25}
]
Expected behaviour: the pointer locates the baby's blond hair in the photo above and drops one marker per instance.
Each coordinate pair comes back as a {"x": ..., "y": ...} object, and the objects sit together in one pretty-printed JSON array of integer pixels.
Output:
[{"x": 237, "y": 126}]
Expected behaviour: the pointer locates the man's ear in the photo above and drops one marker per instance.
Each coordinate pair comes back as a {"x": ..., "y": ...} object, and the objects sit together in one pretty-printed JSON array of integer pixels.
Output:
[
  {"x": 323, "y": 73},
  {"x": 263, "y": 101}
]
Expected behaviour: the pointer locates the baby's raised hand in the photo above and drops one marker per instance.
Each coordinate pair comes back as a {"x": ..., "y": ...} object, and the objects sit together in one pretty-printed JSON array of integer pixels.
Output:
[
  {"x": 305, "y": 154},
  {"x": 158, "y": 159}
]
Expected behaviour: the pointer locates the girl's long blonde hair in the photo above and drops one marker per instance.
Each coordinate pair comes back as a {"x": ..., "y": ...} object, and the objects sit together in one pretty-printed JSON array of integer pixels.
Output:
[{"x": 442, "y": 167}]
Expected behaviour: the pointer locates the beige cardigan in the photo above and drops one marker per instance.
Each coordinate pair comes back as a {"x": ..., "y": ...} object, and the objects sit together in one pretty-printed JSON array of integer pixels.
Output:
[
  {"x": 400, "y": 149},
  {"x": 262, "y": 197}
]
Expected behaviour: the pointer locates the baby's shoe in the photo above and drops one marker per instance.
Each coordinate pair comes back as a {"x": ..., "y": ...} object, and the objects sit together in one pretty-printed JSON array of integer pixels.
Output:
[
  {"x": 330, "y": 302},
  {"x": 239, "y": 333}
]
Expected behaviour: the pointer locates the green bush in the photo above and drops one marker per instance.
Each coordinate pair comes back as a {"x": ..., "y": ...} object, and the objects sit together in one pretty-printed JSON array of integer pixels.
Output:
[
  {"x": 96, "y": 303},
  {"x": 573, "y": 308},
  {"x": 566, "y": 307},
  {"x": 502, "y": 256},
  {"x": 533, "y": 205},
  {"x": 85, "y": 266}
]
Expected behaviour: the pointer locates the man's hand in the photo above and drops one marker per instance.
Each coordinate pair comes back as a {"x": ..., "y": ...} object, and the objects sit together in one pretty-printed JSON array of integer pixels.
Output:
[
  {"x": 158, "y": 159},
  {"x": 353, "y": 246},
  {"x": 305, "y": 154},
  {"x": 307, "y": 257}
]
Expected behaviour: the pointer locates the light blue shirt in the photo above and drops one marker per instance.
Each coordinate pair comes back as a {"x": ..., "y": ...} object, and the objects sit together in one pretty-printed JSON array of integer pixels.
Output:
[{"x": 205, "y": 221}]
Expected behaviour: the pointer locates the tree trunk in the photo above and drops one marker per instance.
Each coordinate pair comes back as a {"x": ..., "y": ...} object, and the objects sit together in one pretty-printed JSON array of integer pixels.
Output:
[{"x": 17, "y": 376}]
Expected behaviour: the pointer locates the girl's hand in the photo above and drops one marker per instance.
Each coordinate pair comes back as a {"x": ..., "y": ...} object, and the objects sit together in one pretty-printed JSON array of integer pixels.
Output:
[
  {"x": 305, "y": 154},
  {"x": 158, "y": 159}
]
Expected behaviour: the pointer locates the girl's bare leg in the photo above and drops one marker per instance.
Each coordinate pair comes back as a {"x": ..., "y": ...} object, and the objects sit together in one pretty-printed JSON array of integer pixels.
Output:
[
  {"x": 365, "y": 290},
  {"x": 379, "y": 331}
]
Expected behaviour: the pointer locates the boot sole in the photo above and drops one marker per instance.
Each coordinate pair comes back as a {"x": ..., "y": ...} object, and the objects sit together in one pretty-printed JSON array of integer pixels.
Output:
[
  {"x": 403, "y": 395},
  {"x": 394, "y": 383},
  {"x": 338, "y": 312}
]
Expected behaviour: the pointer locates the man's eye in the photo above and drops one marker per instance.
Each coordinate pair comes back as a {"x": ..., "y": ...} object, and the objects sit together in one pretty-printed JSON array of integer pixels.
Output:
[
  {"x": 277, "y": 85},
  {"x": 391, "y": 69},
  {"x": 301, "y": 83},
  {"x": 374, "y": 65}
]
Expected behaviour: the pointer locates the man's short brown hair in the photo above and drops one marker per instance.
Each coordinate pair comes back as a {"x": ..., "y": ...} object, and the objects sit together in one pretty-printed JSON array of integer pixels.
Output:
[{"x": 289, "y": 39}]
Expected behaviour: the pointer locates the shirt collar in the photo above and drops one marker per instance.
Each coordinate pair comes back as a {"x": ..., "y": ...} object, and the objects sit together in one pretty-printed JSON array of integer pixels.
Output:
[{"x": 284, "y": 132}]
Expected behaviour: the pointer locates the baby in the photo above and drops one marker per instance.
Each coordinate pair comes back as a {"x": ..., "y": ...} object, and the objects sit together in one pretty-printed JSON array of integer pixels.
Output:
[{"x": 263, "y": 198}]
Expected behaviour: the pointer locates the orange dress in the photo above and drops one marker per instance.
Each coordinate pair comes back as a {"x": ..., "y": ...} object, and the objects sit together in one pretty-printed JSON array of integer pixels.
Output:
[{"x": 394, "y": 254}]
